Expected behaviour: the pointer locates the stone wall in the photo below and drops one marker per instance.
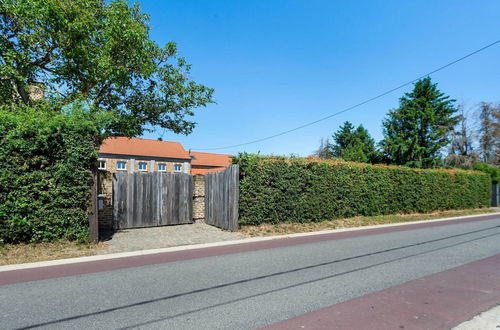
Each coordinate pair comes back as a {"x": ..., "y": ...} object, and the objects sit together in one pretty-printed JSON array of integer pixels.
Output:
[{"x": 198, "y": 198}]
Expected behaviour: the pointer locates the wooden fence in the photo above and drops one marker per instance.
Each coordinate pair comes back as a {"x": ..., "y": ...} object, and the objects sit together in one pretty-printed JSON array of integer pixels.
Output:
[
  {"x": 152, "y": 199},
  {"x": 222, "y": 197}
]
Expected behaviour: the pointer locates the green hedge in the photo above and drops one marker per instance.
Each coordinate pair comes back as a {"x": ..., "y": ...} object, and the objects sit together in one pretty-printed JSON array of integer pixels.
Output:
[
  {"x": 278, "y": 189},
  {"x": 493, "y": 172},
  {"x": 45, "y": 176}
]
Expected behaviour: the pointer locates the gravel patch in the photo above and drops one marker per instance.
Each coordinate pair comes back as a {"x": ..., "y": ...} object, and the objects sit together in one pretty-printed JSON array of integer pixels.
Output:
[{"x": 167, "y": 236}]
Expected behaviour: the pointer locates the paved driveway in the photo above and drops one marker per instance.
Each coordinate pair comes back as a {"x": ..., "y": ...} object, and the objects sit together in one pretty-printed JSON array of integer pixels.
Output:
[{"x": 167, "y": 236}]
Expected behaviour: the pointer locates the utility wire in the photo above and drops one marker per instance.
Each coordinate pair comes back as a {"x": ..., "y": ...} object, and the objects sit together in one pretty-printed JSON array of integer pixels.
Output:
[{"x": 358, "y": 104}]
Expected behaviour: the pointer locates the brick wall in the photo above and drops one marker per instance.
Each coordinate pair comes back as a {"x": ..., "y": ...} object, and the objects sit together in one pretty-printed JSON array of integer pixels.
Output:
[
  {"x": 105, "y": 200},
  {"x": 198, "y": 198},
  {"x": 152, "y": 165}
]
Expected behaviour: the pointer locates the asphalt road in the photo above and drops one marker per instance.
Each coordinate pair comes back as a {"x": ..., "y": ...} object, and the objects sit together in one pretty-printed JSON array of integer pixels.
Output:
[{"x": 245, "y": 290}]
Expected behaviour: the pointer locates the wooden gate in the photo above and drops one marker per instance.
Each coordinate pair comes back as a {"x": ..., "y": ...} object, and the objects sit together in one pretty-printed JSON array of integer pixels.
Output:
[
  {"x": 222, "y": 193},
  {"x": 151, "y": 199}
]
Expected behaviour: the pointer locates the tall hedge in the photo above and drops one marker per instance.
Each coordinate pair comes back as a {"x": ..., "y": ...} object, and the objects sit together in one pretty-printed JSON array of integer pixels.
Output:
[
  {"x": 278, "y": 189},
  {"x": 45, "y": 176}
]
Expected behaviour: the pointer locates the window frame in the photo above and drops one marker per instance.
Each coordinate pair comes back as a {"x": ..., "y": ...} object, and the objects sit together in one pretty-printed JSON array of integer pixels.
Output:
[
  {"x": 177, "y": 165},
  {"x": 145, "y": 166},
  {"x": 160, "y": 165},
  {"x": 99, "y": 161},
  {"x": 118, "y": 165}
]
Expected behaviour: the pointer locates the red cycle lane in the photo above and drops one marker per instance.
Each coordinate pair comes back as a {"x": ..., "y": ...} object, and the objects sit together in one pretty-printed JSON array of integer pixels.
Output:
[{"x": 437, "y": 301}]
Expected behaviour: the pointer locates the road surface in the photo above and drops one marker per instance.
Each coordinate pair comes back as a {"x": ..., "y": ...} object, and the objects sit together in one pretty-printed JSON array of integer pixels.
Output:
[{"x": 303, "y": 282}]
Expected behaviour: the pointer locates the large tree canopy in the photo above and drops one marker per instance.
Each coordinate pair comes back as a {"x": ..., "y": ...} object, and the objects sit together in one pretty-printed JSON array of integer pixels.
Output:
[
  {"x": 415, "y": 133},
  {"x": 99, "y": 54}
]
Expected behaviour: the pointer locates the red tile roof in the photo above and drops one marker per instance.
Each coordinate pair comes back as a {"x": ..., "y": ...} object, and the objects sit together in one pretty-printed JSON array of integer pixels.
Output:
[
  {"x": 208, "y": 159},
  {"x": 204, "y": 171},
  {"x": 143, "y": 147}
]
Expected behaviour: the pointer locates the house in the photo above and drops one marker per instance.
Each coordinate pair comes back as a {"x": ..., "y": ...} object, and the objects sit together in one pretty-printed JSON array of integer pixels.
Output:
[
  {"x": 143, "y": 155},
  {"x": 136, "y": 155},
  {"x": 204, "y": 162}
]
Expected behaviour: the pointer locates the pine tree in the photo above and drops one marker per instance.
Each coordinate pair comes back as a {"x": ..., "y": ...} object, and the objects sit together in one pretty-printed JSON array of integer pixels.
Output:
[
  {"x": 353, "y": 144},
  {"x": 416, "y": 132}
]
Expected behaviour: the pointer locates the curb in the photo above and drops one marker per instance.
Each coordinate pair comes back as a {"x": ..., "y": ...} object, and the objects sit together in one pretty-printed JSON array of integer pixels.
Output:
[{"x": 215, "y": 244}]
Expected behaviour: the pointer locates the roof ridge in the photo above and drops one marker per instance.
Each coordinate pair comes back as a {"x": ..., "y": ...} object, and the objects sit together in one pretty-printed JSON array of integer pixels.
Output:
[{"x": 140, "y": 138}]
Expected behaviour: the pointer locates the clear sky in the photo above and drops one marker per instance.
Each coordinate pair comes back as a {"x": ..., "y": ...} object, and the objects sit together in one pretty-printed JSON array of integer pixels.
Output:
[{"x": 278, "y": 64}]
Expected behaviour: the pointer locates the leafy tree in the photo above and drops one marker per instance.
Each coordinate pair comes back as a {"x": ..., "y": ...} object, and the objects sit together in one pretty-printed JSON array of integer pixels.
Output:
[
  {"x": 489, "y": 132},
  {"x": 353, "y": 144},
  {"x": 98, "y": 54},
  {"x": 415, "y": 133},
  {"x": 462, "y": 153}
]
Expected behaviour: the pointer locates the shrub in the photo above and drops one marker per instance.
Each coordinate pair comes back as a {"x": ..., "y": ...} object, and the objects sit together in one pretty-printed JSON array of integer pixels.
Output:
[
  {"x": 45, "y": 176},
  {"x": 278, "y": 189},
  {"x": 493, "y": 172}
]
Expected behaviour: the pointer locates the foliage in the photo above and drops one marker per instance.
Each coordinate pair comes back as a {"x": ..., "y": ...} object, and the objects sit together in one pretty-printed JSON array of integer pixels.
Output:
[
  {"x": 45, "y": 162},
  {"x": 415, "y": 133},
  {"x": 494, "y": 172},
  {"x": 354, "y": 144},
  {"x": 461, "y": 152},
  {"x": 489, "y": 132},
  {"x": 99, "y": 53},
  {"x": 278, "y": 189},
  {"x": 324, "y": 150}
]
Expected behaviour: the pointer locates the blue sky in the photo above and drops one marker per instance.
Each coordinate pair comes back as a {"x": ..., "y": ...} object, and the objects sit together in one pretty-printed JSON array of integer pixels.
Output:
[{"x": 277, "y": 64}]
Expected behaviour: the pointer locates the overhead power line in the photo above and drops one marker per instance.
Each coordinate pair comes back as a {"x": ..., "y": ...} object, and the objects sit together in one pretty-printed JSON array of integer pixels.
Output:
[{"x": 358, "y": 104}]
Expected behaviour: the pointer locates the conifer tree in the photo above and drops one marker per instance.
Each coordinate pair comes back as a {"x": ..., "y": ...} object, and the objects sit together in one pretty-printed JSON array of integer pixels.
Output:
[
  {"x": 416, "y": 132},
  {"x": 353, "y": 144}
]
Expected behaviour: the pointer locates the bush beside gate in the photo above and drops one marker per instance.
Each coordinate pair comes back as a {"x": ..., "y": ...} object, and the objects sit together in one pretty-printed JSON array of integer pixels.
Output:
[
  {"x": 45, "y": 176},
  {"x": 278, "y": 189}
]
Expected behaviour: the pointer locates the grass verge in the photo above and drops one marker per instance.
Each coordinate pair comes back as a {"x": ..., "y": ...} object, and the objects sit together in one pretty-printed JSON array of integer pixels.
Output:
[
  {"x": 294, "y": 227},
  {"x": 21, "y": 253}
]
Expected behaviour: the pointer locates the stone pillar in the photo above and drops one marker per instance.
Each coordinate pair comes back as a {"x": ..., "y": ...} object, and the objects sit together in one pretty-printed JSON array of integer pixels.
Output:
[
  {"x": 199, "y": 198},
  {"x": 105, "y": 200},
  {"x": 132, "y": 166}
]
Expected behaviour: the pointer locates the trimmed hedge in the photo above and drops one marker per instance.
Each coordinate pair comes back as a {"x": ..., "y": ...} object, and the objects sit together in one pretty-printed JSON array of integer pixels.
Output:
[
  {"x": 45, "y": 176},
  {"x": 277, "y": 189},
  {"x": 493, "y": 172}
]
